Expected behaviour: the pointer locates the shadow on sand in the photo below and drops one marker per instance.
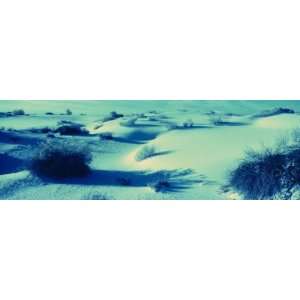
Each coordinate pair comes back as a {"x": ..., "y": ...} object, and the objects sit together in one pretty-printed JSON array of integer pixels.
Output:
[
  {"x": 178, "y": 180},
  {"x": 9, "y": 164}
]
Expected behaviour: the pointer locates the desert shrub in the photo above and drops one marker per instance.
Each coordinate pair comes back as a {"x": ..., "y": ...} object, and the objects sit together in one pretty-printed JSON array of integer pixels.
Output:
[
  {"x": 129, "y": 122},
  {"x": 188, "y": 123},
  {"x": 97, "y": 126},
  {"x": 216, "y": 120},
  {"x": 18, "y": 112},
  {"x": 145, "y": 152},
  {"x": 261, "y": 174},
  {"x": 106, "y": 136},
  {"x": 273, "y": 112},
  {"x": 71, "y": 129},
  {"x": 112, "y": 116},
  {"x": 49, "y": 113},
  {"x": 68, "y": 112},
  {"x": 61, "y": 159},
  {"x": 171, "y": 125}
]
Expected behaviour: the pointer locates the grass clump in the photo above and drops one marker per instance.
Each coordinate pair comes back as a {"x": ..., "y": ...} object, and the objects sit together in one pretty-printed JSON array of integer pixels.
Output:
[
  {"x": 128, "y": 122},
  {"x": 18, "y": 112},
  {"x": 71, "y": 129},
  {"x": 60, "y": 159},
  {"x": 145, "y": 152},
  {"x": 260, "y": 175}
]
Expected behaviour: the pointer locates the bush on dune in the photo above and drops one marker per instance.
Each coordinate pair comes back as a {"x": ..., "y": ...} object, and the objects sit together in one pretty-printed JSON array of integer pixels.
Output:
[
  {"x": 271, "y": 172},
  {"x": 129, "y": 122},
  {"x": 260, "y": 174},
  {"x": 145, "y": 152},
  {"x": 71, "y": 129},
  {"x": 61, "y": 159},
  {"x": 18, "y": 112},
  {"x": 112, "y": 116}
]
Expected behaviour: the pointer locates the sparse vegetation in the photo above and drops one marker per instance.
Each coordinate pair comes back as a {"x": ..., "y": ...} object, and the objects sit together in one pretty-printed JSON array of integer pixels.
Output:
[
  {"x": 129, "y": 121},
  {"x": 188, "y": 123},
  {"x": 61, "y": 159},
  {"x": 68, "y": 112},
  {"x": 112, "y": 116},
  {"x": 216, "y": 120},
  {"x": 71, "y": 129},
  {"x": 171, "y": 125},
  {"x": 263, "y": 174},
  {"x": 145, "y": 152},
  {"x": 273, "y": 112}
]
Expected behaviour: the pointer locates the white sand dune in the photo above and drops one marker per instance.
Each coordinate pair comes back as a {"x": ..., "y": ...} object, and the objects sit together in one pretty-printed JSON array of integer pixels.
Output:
[{"x": 196, "y": 144}]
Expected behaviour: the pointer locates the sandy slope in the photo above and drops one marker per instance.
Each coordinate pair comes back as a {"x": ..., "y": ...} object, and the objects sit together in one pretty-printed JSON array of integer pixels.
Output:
[{"x": 195, "y": 160}]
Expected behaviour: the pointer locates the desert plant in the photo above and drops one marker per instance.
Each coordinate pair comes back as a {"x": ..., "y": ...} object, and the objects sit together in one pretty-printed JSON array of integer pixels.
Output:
[
  {"x": 216, "y": 120},
  {"x": 112, "y": 116},
  {"x": 68, "y": 112},
  {"x": 145, "y": 152},
  {"x": 188, "y": 123},
  {"x": 261, "y": 174},
  {"x": 18, "y": 112},
  {"x": 129, "y": 122},
  {"x": 71, "y": 129},
  {"x": 60, "y": 159},
  {"x": 171, "y": 125}
]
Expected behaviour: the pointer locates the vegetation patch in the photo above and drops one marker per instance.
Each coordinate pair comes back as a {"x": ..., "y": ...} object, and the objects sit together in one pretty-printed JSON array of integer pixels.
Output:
[{"x": 60, "y": 159}]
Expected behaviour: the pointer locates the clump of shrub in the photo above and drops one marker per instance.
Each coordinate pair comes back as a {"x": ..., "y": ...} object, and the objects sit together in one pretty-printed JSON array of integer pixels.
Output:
[
  {"x": 261, "y": 174},
  {"x": 129, "y": 122},
  {"x": 171, "y": 125},
  {"x": 216, "y": 120},
  {"x": 18, "y": 112},
  {"x": 49, "y": 113},
  {"x": 188, "y": 123},
  {"x": 112, "y": 116},
  {"x": 60, "y": 159},
  {"x": 145, "y": 152},
  {"x": 68, "y": 112},
  {"x": 273, "y": 112},
  {"x": 71, "y": 129},
  {"x": 270, "y": 172}
]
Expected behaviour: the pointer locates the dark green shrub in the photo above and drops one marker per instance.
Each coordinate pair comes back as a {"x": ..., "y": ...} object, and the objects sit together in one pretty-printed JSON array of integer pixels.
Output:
[
  {"x": 71, "y": 129},
  {"x": 61, "y": 159},
  {"x": 18, "y": 112},
  {"x": 261, "y": 174}
]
